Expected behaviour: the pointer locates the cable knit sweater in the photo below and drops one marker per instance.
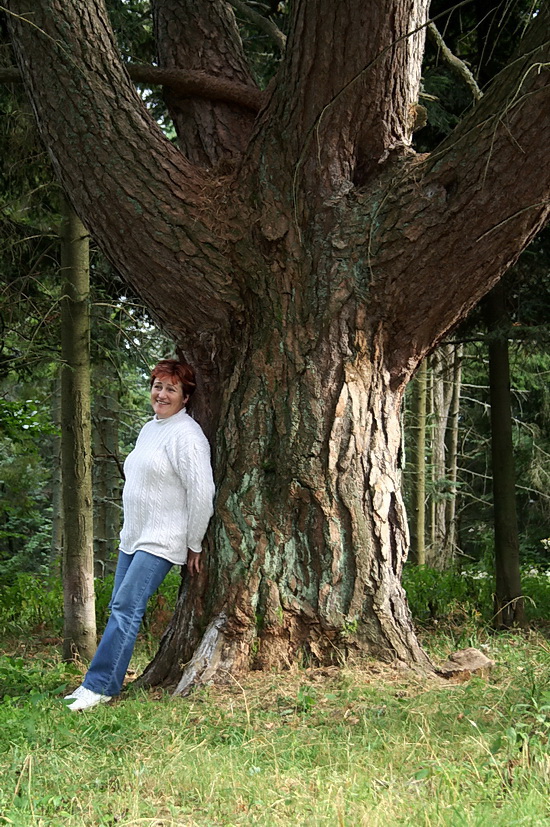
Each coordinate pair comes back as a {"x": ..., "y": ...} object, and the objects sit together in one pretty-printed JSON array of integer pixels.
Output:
[{"x": 167, "y": 496}]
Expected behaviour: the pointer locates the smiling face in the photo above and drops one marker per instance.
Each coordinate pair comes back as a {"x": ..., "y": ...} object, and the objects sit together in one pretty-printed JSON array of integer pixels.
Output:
[{"x": 167, "y": 397}]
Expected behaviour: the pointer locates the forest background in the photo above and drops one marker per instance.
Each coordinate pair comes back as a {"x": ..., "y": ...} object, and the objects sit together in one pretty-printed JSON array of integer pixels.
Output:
[
  {"x": 450, "y": 577},
  {"x": 448, "y": 483}
]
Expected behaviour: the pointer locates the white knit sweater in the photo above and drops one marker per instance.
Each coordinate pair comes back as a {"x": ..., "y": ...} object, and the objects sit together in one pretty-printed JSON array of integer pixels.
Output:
[{"x": 167, "y": 496}]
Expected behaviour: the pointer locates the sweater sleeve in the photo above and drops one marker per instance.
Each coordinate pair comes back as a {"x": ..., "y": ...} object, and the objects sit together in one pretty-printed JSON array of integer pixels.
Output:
[{"x": 190, "y": 456}]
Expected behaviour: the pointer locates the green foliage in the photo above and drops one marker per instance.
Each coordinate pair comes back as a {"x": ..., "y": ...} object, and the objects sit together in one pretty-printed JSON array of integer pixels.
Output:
[
  {"x": 33, "y": 679},
  {"x": 25, "y": 512},
  {"x": 25, "y": 420},
  {"x": 449, "y": 595},
  {"x": 33, "y": 603},
  {"x": 453, "y": 596},
  {"x": 30, "y": 602}
]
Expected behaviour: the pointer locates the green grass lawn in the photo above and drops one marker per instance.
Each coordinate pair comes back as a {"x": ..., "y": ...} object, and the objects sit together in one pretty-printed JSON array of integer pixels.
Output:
[{"x": 371, "y": 745}]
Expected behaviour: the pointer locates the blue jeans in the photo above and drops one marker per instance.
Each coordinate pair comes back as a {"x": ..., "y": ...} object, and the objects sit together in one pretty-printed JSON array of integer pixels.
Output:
[{"x": 137, "y": 577}]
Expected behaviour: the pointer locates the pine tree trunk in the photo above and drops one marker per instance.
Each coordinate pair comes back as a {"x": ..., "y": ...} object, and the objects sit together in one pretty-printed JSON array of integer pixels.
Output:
[
  {"x": 509, "y": 607},
  {"x": 418, "y": 425},
  {"x": 106, "y": 480},
  {"x": 79, "y": 635},
  {"x": 442, "y": 394},
  {"x": 57, "y": 487},
  {"x": 452, "y": 454},
  {"x": 309, "y": 502}
]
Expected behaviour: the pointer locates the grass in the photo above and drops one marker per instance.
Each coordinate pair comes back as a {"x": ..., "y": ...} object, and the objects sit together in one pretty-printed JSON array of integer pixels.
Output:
[{"x": 373, "y": 745}]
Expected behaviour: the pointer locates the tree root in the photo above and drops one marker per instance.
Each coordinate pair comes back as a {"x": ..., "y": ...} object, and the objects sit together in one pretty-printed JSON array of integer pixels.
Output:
[{"x": 212, "y": 655}]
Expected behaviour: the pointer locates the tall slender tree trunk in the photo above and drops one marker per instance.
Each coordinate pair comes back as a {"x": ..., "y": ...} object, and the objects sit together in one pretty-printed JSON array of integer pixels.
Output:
[
  {"x": 452, "y": 454},
  {"x": 419, "y": 423},
  {"x": 442, "y": 394},
  {"x": 79, "y": 634},
  {"x": 509, "y": 607},
  {"x": 106, "y": 480},
  {"x": 57, "y": 488}
]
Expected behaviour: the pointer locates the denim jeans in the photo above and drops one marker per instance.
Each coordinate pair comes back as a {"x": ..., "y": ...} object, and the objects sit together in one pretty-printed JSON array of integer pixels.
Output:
[{"x": 137, "y": 577}]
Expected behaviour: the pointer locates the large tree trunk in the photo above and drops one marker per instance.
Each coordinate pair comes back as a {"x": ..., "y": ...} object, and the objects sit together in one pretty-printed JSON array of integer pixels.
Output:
[
  {"x": 310, "y": 530},
  {"x": 304, "y": 281}
]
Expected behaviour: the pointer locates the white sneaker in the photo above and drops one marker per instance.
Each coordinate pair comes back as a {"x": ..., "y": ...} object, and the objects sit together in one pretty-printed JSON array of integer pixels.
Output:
[
  {"x": 87, "y": 699},
  {"x": 75, "y": 694}
]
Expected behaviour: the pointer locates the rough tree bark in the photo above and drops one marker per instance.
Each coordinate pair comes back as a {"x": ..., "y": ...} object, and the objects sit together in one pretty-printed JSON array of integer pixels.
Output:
[
  {"x": 57, "y": 488},
  {"x": 303, "y": 278},
  {"x": 106, "y": 472}
]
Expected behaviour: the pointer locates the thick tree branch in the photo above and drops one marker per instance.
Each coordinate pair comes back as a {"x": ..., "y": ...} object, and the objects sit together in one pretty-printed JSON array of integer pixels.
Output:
[
  {"x": 264, "y": 24},
  {"x": 186, "y": 84},
  {"x": 344, "y": 90},
  {"x": 144, "y": 203},
  {"x": 467, "y": 210},
  {"x": 204, "y": 38}
]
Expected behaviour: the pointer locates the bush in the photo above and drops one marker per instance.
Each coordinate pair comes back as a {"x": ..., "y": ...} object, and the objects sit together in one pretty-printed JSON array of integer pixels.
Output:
[
  {"x": 454, "y": 595},
  {"x": 449, "y": 595},
  {"x": 30, "y": 602},
  {"x": 33, "y": 603}
]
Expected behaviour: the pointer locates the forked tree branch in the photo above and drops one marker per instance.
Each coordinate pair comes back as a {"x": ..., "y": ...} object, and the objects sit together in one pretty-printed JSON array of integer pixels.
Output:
[
  {"x": 470, "y": 208},
  {"x": 204, "y": 38},
  {"x": 147, "y": 206},
  {"x": 339, "y": 112}
]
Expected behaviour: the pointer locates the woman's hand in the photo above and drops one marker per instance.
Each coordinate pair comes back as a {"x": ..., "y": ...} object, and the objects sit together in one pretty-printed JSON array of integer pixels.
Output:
[{"x": 193, "y": 562}]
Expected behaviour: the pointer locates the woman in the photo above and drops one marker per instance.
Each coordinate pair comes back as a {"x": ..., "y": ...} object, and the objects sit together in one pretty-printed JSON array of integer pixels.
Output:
[{"x": 167, "y": 502}]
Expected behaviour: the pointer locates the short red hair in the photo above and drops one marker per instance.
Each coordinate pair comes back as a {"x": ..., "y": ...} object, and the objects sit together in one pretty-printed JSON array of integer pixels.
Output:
[{"x": 175, "y": 372}]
